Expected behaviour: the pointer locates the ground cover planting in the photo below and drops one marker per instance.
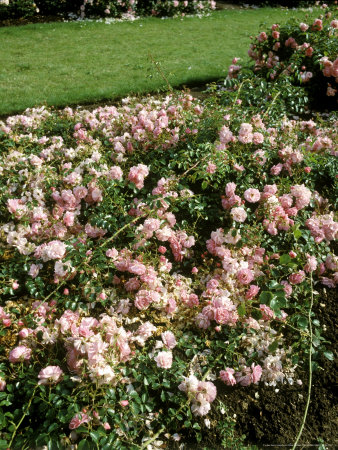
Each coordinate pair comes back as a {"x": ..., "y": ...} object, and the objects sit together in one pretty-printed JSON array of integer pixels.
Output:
[
  {"x": 163, "y": 261},
  {"x": 69, "y": 63}
]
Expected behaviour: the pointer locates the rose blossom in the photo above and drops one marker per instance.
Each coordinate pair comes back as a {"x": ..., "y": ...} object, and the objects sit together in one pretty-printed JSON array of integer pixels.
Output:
[
  {"x": 19, "y": 354},
  {"x": 252, "y": 292},
  {"x": 78, "y": 420},
  {"x": 297, "y": 278},
  {"x": 238, "y": 214},
  {"x": 168, "y": 339},
  {"x": 2, "y": 384},
  {"x": 252, "y": 195},
  {"x": 230, "y": 189},
  {"x": 245, "y": 276},
  {"x": 164, "y": 360},
  {"x": 50, "y": 375},
  {"x": 227, "y": 376}
]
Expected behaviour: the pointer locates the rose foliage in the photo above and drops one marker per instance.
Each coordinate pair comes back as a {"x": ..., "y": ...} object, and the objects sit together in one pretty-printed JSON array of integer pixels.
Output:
[
  {"x": 151, "y": 254},
  {"x": 296, "y": 64}
]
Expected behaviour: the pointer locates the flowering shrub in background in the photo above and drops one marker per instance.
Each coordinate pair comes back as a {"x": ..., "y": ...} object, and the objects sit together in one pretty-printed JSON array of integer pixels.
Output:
[
  {"x": 103, "y": 8},
  {"x": 297, "y": 62}
]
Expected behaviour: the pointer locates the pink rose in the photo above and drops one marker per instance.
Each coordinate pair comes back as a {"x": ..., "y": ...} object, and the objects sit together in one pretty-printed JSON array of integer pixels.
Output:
[
  {"x": 227, "y": 376},
  {"x": 78, "y": 420},
  {"x": 252, "y": 292},
  {"x": 245, "y": 276},
  {"x": 19, "y": 354},
  {"x": 267, "y": 312},
  {"x": 252, "y": 195},
  {"x": 297, "y": 278},
  {"x": 50, "y": 375},
  {"x": 164, "y": 360},
  {"x": 168, "y": 339},
  {"x": 238, "y": 214}
]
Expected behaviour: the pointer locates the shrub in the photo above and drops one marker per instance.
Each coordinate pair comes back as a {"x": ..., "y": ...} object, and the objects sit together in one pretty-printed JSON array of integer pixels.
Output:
[
  {"x": 12, "y": 9},
  {"x": 102, "y": 8},
  {"x": 297, "y": 60},
  {"x": 152, "y": 252}
]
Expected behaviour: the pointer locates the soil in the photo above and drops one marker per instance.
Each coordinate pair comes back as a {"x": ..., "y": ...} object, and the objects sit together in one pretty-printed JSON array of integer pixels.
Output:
[{"x": 272, "y": 419}]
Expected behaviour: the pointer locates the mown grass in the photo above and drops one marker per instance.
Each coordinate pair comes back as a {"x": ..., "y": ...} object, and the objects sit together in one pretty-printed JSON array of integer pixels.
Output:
[{"x": 79, "y": 62}]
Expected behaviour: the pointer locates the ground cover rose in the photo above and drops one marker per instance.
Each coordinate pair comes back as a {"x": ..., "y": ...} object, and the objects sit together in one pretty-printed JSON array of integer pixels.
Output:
[{"x": 50, "y": 375}]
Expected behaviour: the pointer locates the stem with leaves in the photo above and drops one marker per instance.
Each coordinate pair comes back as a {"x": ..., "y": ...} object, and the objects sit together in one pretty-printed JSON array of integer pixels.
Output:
[{"x": 310, "y": 368}]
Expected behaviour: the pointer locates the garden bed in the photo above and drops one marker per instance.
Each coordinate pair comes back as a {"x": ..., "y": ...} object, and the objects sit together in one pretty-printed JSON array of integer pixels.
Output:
[{"x": 169, "y": 269}]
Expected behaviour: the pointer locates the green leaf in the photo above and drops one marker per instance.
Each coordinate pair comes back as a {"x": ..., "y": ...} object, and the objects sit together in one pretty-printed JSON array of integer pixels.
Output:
[
  {"x": 274, "y": 305},
  {"x": 302, "y": 322},
  {"x": 285, "y": 259},
  {"x": 273, "y": 346},
  {"x": 265, "y": 297},
  {"x": 241, "y": 310},
  {"x": 329, "y": 355},
  {"x": 297, "y": 233},
  {"x": 83, "y": 445},
  {"x": 274, "y": 285}
]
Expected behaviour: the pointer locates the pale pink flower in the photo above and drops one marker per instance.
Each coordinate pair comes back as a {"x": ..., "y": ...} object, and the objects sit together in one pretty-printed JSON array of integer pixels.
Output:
[
  {"x": 78, "y": 420},
  {"x": 287, "y": 288},
  {"x": 317, "y": 25},
  {"x": 208, "y": 390},
  {"x": 19, "y": 354},
  {"x": 311, "y": 264},
  {"x": 137, "y": 174},
  {"x": 34, "y": 270},
  {"x": 258, "y": 138},
  {"x": 230, "y": 189},
  {"x": 297, "y": 278},
  {"x": 211, "y": 168},
  {"x": 303, "y": 26},
  {"x": 164, "y": 360},
  {"x": 245, "y": 276},
  {"x": 256, "y": 373},
  {"x": 50, "y": 375},
  {"x": 168, "y": 339},
  {"x": 252, "y": 195},
  {"x": 225, "y": 135},
  {"x": 267, "y": 312},
  {"x": 112, "y": 253},
  {"x": 2, "y": 384},
  {"x": 238, "y": 214},
  {"x": 252, "y": 292},
  {"x": 262, "y": 37},
  {"x": 276, "y": 170},
  {"x": 68, "y": 218},
  {"x": 227, "y": 376}
]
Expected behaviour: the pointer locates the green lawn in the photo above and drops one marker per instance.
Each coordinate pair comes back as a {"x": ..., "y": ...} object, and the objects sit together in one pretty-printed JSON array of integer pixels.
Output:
[{"x": 68, "y": 63}]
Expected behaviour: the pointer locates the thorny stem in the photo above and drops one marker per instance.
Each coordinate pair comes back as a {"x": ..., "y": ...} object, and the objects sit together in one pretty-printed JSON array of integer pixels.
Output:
[
  {"x": 310, "y": 369},
  {"x": 16, "y": 427},
  {"x": 272, "y": 103},
  {"x": 239, "y": 90},
  {"x": 158, "y": 68}
]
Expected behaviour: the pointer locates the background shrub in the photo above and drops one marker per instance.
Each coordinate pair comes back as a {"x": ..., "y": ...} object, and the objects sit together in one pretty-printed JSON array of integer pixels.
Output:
[
  {"x": 298, "y": 61},
  {"x": 14, "y": 9}
]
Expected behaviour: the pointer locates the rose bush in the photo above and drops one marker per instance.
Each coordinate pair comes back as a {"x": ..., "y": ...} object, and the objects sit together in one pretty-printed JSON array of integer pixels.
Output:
[
  {"x": 136, "y": 280},
  {"x": 294, "y": 64},
  {"x": 10, "y": 9}
]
